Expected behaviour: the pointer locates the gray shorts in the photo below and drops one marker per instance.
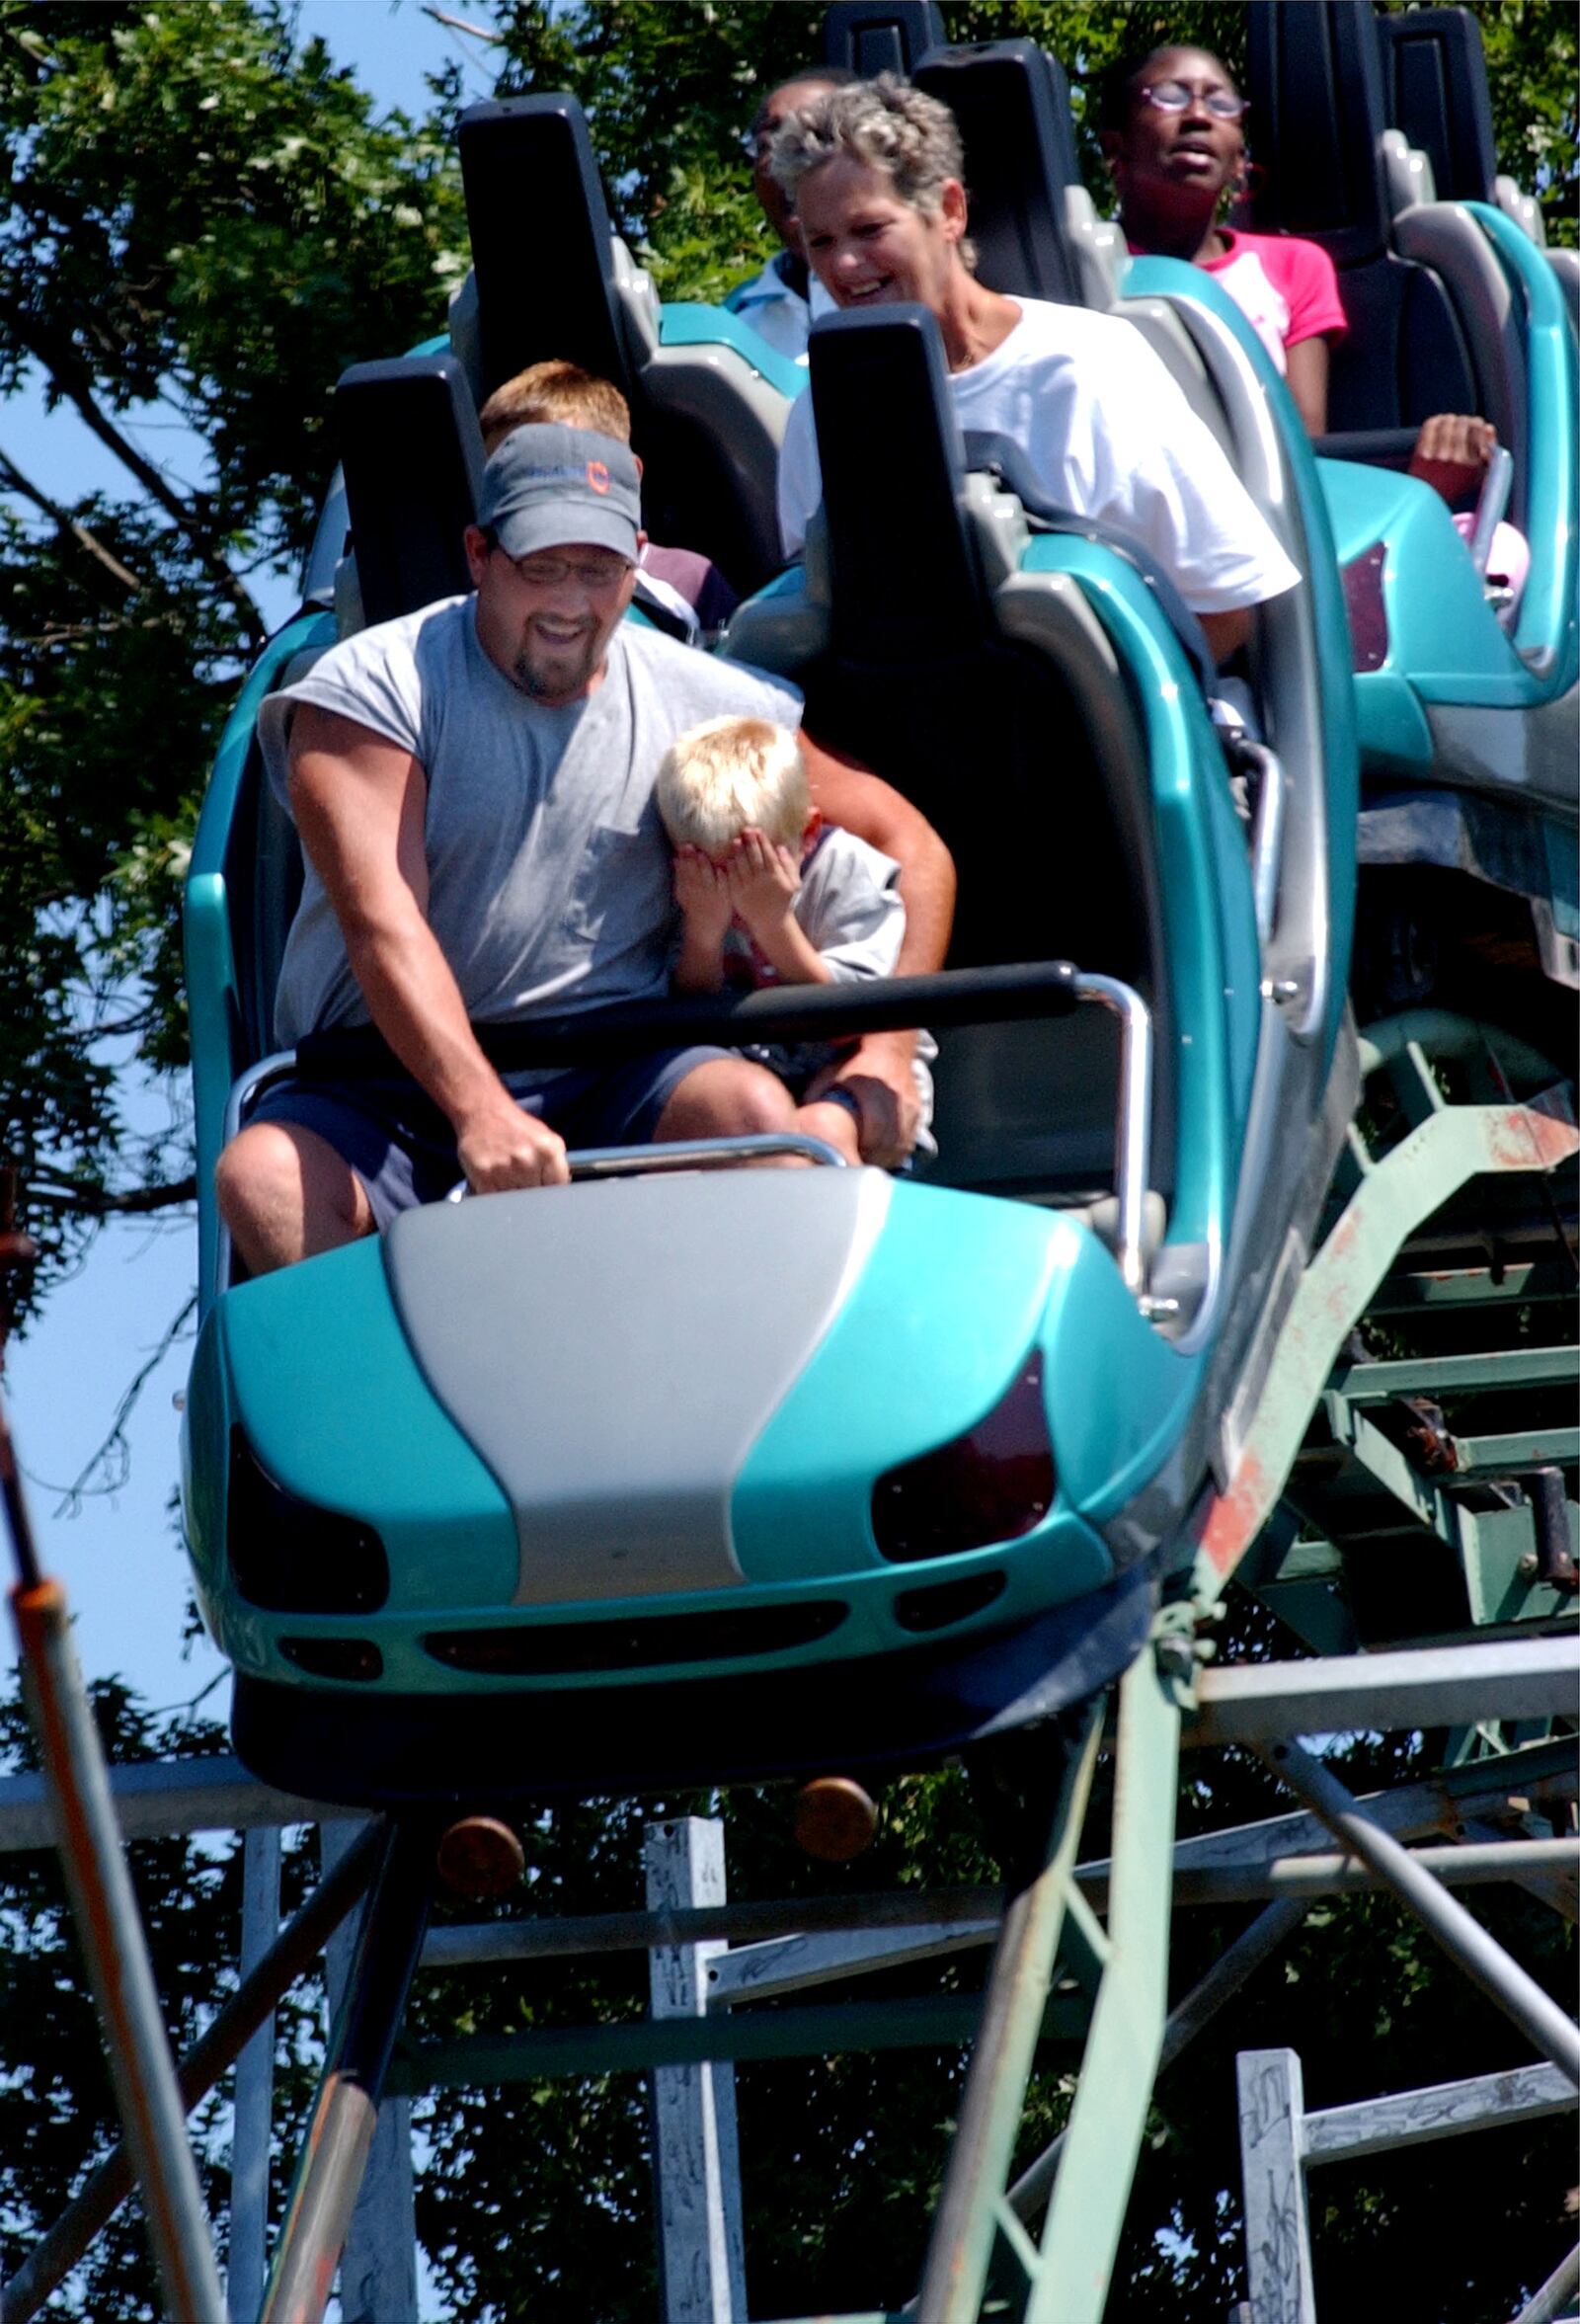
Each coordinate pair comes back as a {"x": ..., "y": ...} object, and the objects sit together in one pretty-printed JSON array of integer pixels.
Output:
[{"x": 402, "y": 1146}]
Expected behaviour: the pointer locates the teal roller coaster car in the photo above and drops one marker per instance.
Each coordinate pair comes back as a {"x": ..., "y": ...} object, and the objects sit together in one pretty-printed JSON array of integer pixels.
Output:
[{"x": 687, "y": 1475}]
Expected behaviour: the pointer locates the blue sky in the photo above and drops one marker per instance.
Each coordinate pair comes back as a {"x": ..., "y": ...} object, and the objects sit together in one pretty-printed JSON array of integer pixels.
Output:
[{"x": 117, "y": 1551}]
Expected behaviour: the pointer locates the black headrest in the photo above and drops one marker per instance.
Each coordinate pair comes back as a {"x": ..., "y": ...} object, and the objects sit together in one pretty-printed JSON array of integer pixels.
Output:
[
  {"x": 1435, "y": 77},
  {"x": 540, "y": 239},
  {"x": 413, "y": 459},
  {"x": 868, "y": 37},
  {"x": 1012, "y": 103},
  {"x": 1315, "y": 79},
  {"x": 904, "y": 579}
]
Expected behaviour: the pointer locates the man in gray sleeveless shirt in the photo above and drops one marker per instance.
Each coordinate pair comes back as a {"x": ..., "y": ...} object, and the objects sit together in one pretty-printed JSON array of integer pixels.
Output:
[{"x": 472, "y": 785}]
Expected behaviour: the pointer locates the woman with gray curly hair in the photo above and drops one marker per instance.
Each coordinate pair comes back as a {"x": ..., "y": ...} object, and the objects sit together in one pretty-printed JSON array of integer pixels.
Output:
[{"x": 875, "y": 172}]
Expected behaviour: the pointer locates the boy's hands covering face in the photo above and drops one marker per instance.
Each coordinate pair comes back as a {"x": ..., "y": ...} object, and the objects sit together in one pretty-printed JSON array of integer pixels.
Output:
[
  {"x": 702, "y": 892},
  {"x": 763, "y": 880}
]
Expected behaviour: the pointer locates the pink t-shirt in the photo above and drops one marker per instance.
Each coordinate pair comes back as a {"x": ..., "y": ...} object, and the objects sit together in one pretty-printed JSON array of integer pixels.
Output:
[{"x": 1284, "y": 286}]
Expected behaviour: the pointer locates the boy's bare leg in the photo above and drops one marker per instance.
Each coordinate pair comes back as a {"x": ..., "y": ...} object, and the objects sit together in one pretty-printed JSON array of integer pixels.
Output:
[{"x": 728, "y": 1097}]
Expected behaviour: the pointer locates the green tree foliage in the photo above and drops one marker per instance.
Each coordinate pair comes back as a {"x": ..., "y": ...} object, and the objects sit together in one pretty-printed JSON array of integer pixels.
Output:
[{"x": 203, "y": 226}]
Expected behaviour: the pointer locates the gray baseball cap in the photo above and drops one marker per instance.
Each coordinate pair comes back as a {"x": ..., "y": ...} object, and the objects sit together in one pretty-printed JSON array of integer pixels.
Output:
[{"x": 547, "y": 487}]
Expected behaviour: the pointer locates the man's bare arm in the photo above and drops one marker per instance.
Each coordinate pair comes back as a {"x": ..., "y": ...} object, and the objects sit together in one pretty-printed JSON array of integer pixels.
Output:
[
  {"x": 863, "y": 803},
  {"x": 358, "y": 802},
  {"x": 879, "y": 1074}
]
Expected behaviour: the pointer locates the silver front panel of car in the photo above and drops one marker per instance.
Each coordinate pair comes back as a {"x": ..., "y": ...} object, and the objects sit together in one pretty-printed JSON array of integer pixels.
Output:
[{"x": 614, "y": 1350}]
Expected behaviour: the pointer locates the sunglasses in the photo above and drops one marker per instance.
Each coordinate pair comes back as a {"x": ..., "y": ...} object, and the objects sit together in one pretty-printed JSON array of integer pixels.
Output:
[{"x": 1177, "y": 96}]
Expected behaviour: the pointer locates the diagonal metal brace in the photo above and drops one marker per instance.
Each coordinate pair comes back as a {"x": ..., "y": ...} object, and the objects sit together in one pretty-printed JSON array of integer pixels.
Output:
[
  {"x": 1459, "y": 1934},
  {"x": 1451, "y": 1147}
]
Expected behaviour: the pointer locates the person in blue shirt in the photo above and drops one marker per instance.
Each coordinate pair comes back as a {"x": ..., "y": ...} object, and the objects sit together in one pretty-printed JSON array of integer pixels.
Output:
[{"x": 784, "y": 300}]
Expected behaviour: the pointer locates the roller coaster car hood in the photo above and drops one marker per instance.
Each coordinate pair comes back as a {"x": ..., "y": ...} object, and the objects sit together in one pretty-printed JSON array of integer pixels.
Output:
[{"x": 685, "y": 1399}]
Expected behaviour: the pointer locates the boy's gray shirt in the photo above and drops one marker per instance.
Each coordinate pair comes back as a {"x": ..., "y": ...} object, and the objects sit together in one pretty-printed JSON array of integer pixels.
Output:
[{"x": 549, "y": 874}]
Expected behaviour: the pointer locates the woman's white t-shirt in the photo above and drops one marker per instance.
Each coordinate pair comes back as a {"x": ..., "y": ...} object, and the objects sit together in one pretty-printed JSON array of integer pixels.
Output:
[{"x": 1109, "y": 434}]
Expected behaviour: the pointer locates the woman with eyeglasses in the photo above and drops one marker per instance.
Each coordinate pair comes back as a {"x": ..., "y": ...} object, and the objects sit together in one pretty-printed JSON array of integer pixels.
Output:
[{"x": 1172, "y": 129}]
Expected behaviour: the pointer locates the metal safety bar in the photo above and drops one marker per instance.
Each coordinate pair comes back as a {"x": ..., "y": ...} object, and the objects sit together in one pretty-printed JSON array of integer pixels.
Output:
[
  {"x": 637, "y": 1161},
  {"x": 1267, "y": 834},
  {"x": 1132, "y": 1128},
  {"x": 1491, "y": 503},
  {"x": 1002, "y": 994},
  {"x": 954, "y": 997}
]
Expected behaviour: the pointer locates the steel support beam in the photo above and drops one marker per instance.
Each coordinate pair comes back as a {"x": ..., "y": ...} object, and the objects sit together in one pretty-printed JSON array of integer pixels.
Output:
[
  {"x": 1449, "y": 1146},
  {"x": 1279, "y": 2142},
  {"x": 1462, "y": 1937},
  {"x": 1277, "y": 2232},
  {"x": 825, "y": 2029},
  {"x": 696, "y": 2160},
  {"x": 901, "y": 1910},
  {"x": 157, "y": 1796},
  {"x": 336, "y": 2149},
  {"x": 378, "y": 2267},
  {"x": 109, "y": 1930},
  {"x": 107, "y": 2185},
  {"x": 251, "y": 2110},
  {"x": 1422, "y": 1686},
  {"x": 791, "y": 1965},
  {"x": 1028, "y": 2198},
  {"x": 1556, "y": 2296},
  {"x": 967, "y": 2224},
  {"x": 1378, "y": 2125},
  {"x": 1120, "y": 2064}
]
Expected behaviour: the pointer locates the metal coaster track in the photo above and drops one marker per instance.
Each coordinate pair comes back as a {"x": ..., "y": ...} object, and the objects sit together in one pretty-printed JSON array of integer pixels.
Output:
[{"x": 1073, "y": 1944}]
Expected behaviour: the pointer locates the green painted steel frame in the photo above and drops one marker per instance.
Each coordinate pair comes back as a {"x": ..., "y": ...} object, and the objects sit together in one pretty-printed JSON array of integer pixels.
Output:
[
  {"x": 980, "y": 2247},
  {"x": 1449, "y": 1145}
]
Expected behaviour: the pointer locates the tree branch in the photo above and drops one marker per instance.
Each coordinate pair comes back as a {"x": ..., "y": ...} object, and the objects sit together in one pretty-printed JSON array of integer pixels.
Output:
[
  {"x": 66, "y": 524},
  {"x": 65, "y": 367},
  {"x": 99, "y": 1202},
  {"x": 113, "y": 1456}
]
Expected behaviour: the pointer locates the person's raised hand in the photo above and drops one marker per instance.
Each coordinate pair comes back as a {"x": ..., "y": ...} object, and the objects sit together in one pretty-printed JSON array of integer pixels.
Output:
[
  {"x": 702, "y": 892},
  {"x": 1451, "y": 453},
  {"x": 763, "y": 878}
]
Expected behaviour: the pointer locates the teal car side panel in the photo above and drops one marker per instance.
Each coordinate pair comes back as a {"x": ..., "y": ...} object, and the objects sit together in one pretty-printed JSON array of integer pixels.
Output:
[
  {"x": 1188, "y": 286},
  {"x": 688, "y": 323},
  {"x": 204, "y": 1438},
  {"x": 211, "y": 983},
  {"x": 928, "y": 1342},
  {"x": 338, "y": 1413},
  {"x": 1207, "y": 889},
  {"x": 1443, "y": 636},
  {"x": 1396, "y": 738},
  {"x": 1118, "y": 1394}
]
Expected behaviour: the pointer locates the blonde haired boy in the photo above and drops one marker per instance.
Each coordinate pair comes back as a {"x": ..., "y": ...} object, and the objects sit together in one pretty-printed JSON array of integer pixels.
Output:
[
  {"x": 768, "y": 893},
  {"x": 687, "y": 587}
]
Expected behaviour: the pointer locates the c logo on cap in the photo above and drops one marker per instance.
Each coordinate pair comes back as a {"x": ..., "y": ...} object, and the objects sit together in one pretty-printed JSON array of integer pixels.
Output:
[{"x": 597, "y": 475}]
